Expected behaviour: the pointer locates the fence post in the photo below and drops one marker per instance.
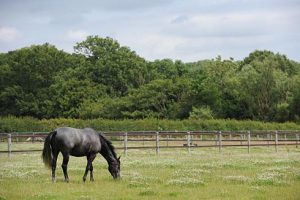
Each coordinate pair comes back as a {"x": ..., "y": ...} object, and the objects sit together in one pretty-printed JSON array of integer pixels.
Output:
[
  {"x": 276, "y": 140},
  {"x": 9, "y": 145},
  {"x": 168, "y": 140},
  {"x": 220, "y": 141},
  {"x": 33, "y": 137},
  {"x": 125, "y": 143},
  {"x": 241, "y": 139},
  {"x": 157, "y": 143},
  {"x": 297, "y": 139},
  {"x": 249, "y": 140},
  {"x": 189, "y": 142}
]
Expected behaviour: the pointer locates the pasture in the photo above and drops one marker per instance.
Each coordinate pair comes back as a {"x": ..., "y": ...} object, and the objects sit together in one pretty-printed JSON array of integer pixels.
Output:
[{"x": 174, "y": 174}]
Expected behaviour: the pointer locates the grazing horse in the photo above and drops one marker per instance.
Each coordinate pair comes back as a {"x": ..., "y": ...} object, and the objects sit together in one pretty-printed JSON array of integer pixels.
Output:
[{"x": 79, "y": 142}]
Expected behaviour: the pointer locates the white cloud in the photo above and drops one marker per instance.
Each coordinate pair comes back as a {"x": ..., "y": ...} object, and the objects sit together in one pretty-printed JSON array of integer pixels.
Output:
[
  {"x": 77, "y": 35},
  {"x": 237, "y": 24},
  {"x": 157, "y": 46},
  {"x": 188, "y": 30},
  {"x": 8, "y": 34}
]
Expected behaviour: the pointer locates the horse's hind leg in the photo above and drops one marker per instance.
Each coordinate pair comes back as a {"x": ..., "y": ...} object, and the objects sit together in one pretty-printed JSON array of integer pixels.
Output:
[
  {"x": 91, "y": 172},
  {"x": 89, "y": 167},
  {"x": 65, "y": 165},
  {"x": 53, "y": 164}
]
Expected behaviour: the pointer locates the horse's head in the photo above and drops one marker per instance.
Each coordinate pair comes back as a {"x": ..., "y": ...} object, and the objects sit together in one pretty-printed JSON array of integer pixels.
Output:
[{"x": 114, "y": 168}]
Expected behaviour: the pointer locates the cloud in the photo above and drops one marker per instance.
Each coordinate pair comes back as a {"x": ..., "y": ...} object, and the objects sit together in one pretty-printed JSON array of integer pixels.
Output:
[
  {"x": 237, "y": 24},
  {"x": 77, "y": 35},
  {"x": 130, "y": 5},
  {"x": 9, "y": 34},
  {"x": 180, "y": 19},
  {"x": 188, "y": 30}
]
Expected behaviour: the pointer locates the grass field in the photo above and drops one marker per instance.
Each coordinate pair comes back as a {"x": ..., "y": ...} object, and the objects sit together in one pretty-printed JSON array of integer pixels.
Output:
[{"x": 174, "y": 174}]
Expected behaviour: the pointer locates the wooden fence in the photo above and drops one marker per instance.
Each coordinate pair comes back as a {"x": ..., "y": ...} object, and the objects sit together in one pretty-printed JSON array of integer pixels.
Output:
[{"x": 172, "y": 139}]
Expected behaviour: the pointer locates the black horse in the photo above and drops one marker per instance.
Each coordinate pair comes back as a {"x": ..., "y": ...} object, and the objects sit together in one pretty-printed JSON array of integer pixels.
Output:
[{"x": 79, "y": 142}]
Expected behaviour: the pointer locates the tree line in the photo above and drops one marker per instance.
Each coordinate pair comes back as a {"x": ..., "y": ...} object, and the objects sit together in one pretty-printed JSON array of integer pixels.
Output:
[{"x": 103, "y": 79}]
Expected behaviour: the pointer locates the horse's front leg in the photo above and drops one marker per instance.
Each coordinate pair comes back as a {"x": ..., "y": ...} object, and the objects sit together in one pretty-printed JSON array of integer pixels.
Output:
[
  {"x": 65, "y": 166},
  {"x": 89, "y": 167}
]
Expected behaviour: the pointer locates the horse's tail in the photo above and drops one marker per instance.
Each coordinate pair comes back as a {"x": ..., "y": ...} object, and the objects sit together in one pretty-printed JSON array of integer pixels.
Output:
[{"x": 47, "y": 151}]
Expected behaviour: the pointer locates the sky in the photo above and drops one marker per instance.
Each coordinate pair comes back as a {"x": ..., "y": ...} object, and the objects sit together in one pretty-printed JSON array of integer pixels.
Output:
[{"x": 187, "y": 30}]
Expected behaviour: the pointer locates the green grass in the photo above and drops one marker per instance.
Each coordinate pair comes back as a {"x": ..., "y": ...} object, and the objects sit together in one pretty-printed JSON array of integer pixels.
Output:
[{"x": 174, "y": 174}]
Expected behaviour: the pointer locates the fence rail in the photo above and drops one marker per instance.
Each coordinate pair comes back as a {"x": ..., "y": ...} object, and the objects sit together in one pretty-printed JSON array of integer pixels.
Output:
[{"x": 172, "y": 139}]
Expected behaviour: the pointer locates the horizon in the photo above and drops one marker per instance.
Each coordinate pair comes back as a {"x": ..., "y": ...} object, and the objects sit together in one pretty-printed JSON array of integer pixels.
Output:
[{"x": 186, "y": 62}]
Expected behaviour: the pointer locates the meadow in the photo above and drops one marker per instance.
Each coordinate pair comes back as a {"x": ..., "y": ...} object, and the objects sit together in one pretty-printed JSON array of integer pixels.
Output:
[{"x": 174, "y": 174}]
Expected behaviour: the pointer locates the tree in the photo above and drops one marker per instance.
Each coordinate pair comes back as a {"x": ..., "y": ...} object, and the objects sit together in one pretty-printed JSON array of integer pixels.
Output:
[
  {"x": 26, "y": 75},
  {"x": 69, "y": 95},
  {"x": 167, "y": 69},
  {"x": 295, "y": 99},
  {"x": 215, "y": 86},
  {"x": 160, "y": 99},
  {"x": 112, "y": 65},
  {"x": 280, "y": 62},
  {"x": 104, "y": 79},
  {"x": 266, "y": 84}
]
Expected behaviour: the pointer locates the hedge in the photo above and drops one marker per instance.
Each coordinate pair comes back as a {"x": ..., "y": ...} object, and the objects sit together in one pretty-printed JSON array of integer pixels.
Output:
[{"x": 23, "y": 124}]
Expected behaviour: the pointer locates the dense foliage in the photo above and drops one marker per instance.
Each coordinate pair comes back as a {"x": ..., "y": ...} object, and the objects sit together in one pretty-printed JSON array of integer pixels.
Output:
[
  {"x": 29, "y": 124},
  {"x": 103, "y": 79}
]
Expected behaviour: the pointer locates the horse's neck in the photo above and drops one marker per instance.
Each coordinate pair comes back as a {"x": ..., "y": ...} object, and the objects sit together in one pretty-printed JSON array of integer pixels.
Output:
[{"x": 107, "y": 154}]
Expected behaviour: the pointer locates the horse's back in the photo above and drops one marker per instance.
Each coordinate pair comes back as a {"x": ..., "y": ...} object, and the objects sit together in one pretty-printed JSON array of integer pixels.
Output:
[
  {"x": 77, "y": 142},
  {"x": 74, "y": 132}
]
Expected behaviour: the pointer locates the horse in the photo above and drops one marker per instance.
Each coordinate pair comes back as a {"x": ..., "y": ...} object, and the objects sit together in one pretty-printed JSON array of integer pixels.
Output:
[{"x": 79, "y": 142}]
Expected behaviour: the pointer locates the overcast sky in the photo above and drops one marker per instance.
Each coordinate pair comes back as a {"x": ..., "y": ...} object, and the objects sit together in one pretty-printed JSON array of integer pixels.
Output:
[{"x": 188, "y": 30}]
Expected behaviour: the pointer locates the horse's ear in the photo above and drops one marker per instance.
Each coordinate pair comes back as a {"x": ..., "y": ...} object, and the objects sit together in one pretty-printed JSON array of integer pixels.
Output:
[{"x": 119, "y": 158}]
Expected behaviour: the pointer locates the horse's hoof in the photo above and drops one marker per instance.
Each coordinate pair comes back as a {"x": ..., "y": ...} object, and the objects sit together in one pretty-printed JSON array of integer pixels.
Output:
[
  {"x": 92, "y": 180},
  {"x": 67, "y": 180},
  {"x": 84, "y": 179}
]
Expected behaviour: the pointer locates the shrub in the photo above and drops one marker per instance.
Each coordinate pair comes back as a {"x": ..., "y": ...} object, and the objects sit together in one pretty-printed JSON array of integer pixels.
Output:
[
  {"x": 15, "y": 124},
  {"x": 201, "y": 113}
]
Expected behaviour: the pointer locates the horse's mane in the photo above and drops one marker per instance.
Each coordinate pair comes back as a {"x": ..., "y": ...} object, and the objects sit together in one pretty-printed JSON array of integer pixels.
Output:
[{"x": 109, "y": 144}]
